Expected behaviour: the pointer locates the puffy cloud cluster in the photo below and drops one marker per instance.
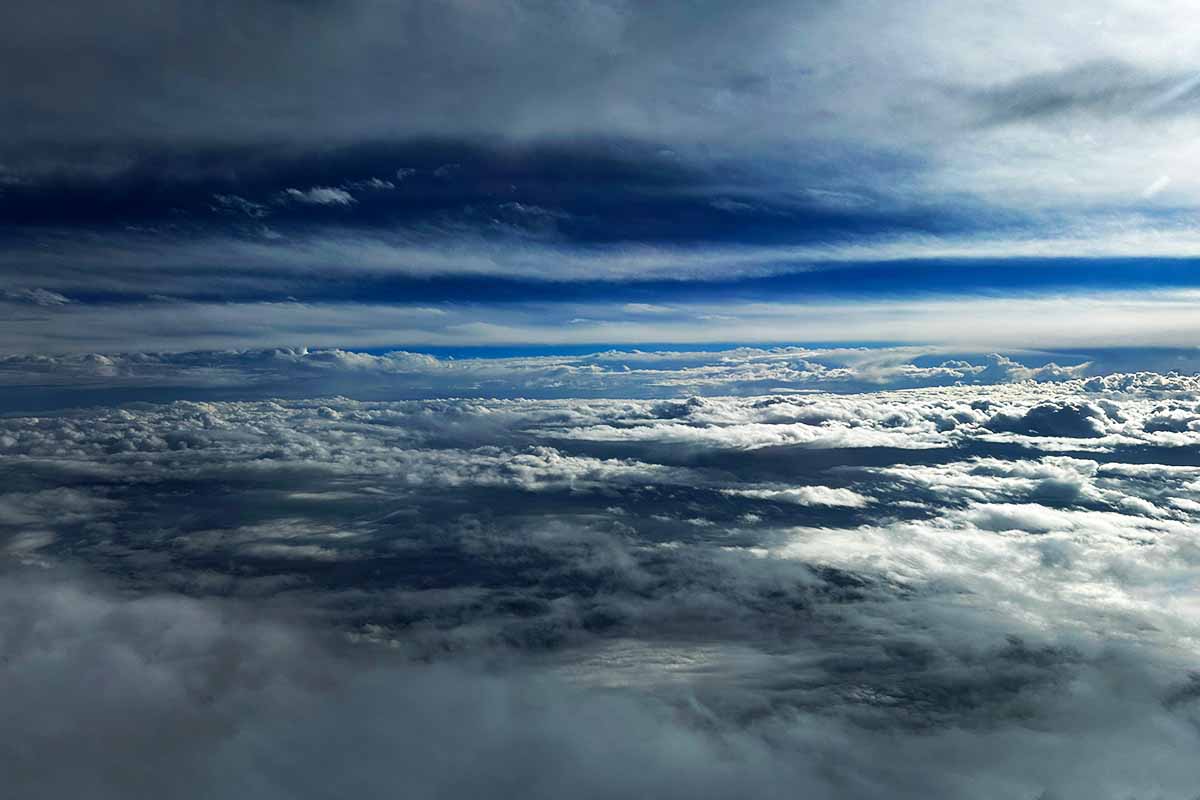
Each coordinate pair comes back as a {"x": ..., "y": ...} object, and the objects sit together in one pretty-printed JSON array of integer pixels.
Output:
[{"x": 975, "y": 590}]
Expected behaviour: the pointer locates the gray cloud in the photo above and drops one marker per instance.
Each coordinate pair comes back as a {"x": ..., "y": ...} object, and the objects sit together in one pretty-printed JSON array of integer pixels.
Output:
[
  {"x": 348, "y": 70},
  {"x": 202, "y": 699},
  {"x": 1104, "y": 89},
  {"x": 97, "y": 92}
]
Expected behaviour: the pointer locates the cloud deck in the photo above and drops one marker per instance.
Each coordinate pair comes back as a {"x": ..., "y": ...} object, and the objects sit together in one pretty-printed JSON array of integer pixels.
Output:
[{"x": 962, "y": 589}]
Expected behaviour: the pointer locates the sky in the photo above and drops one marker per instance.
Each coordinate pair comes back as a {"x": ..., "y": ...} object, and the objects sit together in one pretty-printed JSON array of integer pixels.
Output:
[
  {"x": 354, "y": 174},
  {"x": 597, "y": 398}
]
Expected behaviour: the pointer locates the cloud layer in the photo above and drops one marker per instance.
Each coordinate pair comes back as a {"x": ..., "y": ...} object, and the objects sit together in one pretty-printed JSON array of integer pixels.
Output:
[
  {"x": 1069, "y": 322},
  {"x": 981, "y": 590},
  {"x": 66, "y": 380}
]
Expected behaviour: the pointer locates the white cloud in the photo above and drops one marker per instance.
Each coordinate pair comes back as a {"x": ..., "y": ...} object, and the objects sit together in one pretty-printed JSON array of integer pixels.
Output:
[
  {"x": 806, "y": 496},
  {"x": 320, "y": 196},
  {"x": 1157, "y": 185}
]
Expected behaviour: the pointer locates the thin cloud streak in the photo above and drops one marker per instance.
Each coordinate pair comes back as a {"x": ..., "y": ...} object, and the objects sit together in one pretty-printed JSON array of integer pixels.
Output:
[
  {"x": 1162, "y": 319},
  {"x": 165, "y": 265}
]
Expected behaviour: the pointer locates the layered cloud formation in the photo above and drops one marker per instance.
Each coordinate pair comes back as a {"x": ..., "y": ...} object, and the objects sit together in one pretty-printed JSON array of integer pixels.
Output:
[{"x": 569, "y": 160}]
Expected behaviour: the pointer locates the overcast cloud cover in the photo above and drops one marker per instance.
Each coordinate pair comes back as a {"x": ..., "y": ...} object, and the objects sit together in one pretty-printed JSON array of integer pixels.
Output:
[{"x": 599, "y": 399}]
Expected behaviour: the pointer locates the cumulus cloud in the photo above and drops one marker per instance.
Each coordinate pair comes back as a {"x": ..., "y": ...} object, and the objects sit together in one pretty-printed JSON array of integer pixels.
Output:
[{"x": 806, "y": 496}]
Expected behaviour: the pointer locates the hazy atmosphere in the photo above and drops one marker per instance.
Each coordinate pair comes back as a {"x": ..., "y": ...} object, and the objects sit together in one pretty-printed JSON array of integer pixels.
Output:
[{"x": 600, "y": 399}]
